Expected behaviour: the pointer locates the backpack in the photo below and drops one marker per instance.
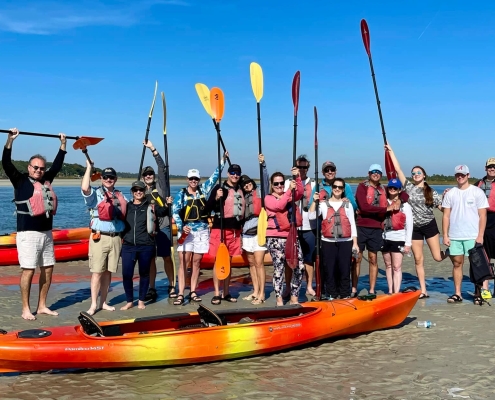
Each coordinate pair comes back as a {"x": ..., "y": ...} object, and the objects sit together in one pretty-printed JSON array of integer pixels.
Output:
[{"x": 480, "y": 268}]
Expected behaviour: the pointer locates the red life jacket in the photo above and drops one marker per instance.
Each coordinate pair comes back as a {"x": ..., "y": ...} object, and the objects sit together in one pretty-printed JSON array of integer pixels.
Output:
[
  {"x": 395, "y": 220},
  {"x": 234, "y": 204},
  {"x": 282, "y": 219},
  {"x": 112, "y": 206},
  {"x": 376, "y": 196},
  {"x": 43, "y": 200},
  {"x": 336, "y": 224},
  {"x": 306, "y": 199},
  {"x": 489, "y": 190},
  {"x": 252, "y": 205}
]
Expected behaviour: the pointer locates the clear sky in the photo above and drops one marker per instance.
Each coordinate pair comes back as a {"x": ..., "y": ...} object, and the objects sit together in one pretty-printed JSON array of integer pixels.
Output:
[{"x": 89, "y": 68}]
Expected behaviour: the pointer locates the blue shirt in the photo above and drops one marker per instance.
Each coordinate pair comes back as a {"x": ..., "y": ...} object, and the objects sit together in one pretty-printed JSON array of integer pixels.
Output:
[
  {"x": 328, "y": 188},
  {"x": 92, "y": 200}
]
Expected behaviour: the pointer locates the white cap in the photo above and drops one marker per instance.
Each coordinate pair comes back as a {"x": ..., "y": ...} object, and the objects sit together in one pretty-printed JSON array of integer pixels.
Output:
[
  {"x": 193, "y": 173},
  {"x": 462, "y": 169}
]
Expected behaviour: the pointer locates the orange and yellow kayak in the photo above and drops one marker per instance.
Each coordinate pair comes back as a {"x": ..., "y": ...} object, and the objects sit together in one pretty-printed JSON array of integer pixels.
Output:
[{"x": 197, "y": 337}]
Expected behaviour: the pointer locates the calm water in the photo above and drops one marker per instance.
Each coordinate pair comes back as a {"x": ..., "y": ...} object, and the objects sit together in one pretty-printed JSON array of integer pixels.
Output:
[{"x": 71, "y": 211}]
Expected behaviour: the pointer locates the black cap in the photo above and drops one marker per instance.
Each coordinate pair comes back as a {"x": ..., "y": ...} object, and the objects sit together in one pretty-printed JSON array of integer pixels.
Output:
[
  {"x": 246, "y": 179},
  {"x": 235, "y": 168},
  {"x": 138, "y": 184},
  {"x": 147, "y": 170},
  {"x": 109, "y": 172}
]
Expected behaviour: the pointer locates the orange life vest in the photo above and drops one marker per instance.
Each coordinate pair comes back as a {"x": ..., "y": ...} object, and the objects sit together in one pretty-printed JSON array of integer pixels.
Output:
[{"x": 336, "y": 223}]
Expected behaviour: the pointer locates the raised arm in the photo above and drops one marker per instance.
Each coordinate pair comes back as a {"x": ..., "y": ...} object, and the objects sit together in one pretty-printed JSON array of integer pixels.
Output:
[
  {"x": 85, "y": 184},
  {"x": 400, "y": 174},
  {"x": 9, "y": 168}
]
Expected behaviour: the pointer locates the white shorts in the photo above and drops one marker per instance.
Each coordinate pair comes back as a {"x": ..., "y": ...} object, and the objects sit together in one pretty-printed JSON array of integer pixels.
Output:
[
  {"x": 35, "y": 249},
  {"x": 196, "y": 242},
  {"x": 250, "y": 244}
]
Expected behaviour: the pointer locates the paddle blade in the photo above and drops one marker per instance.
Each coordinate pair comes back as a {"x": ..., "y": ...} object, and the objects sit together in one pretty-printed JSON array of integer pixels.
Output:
[
  {"x": 222, "y": 262},
  {"x": 365, "y": 33},
  {"x": 204, "y": 96},
  {"x": 316, "y": 128},
  {"x": 291, "y": 247},
  {"x": 262, "y": 225},
  {"x": 389, "y": 166},
  {"x": 295, "y": 91},
  {"x": 95, "y": 176},
  {"x": 85, "y": 141},
  {"x": 217, "y": 103},
  {"x": 154, "y": 99},
  {"x": 256, "y": 80},
  {"x": 164, "y": 105}
]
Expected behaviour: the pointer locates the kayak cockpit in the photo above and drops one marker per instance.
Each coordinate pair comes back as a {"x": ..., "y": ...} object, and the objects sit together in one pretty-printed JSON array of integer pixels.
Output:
[{"x": 204, "y": 318}]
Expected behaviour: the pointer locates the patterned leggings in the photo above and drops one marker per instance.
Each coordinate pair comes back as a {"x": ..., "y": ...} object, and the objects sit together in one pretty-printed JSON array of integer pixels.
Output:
[{"x": 276, "y": 247}]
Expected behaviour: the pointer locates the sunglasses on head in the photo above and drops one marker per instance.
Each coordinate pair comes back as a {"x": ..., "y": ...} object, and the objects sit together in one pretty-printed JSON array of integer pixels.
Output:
[
  {"x": 137, "y": 190},
  {"x": 303, "y": 166},
  {"x": 416, "y": 173},
  {"x": 338, "y": 187},
  {"x": 277, "y": 183},
  {"x": 36, "y": 168},
  {"x": 329, "y": 169},
  {"x": 193, "y": 178},
  {"x": 108, "y": 177},
  {"x": 491, "y": 166}
]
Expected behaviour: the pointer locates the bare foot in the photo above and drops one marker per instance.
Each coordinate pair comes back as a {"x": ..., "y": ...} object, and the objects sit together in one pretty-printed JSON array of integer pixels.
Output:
[
  {"x": 28, "y": 315},
  {"x": 46, "y": 310},
  {"x": 126, "y": 307},
  {"x": 141, "y": 305},
  {"x": 106, "y": 307},
  {"x": 92, "y": 310}
]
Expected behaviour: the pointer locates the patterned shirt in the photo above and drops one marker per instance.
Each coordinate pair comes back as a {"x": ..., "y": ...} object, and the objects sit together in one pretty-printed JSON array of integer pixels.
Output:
[{"x": 422, "y": 214}]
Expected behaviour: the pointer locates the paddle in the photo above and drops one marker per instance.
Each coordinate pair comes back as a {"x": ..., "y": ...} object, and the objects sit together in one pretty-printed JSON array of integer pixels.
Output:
[
  {"x": 365, "y": 32},
  {"x": 222, "y": 258},
  {"x": 91, "y": 139},
  {"x": 82, "y": 144},
  {"x": 150, "y": 115},
  {"x": 204, "y": 96},
  {"x": 167, "y": 182},
  {"x": 257, "y": 85},
  {"x": 317, "y": 189},
  {"x": 291, "y": 255}
]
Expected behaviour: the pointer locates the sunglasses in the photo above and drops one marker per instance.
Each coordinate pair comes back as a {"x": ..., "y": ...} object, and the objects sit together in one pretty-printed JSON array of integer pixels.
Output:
[
  {"x": 375, "y": 172},
  {"x": 302, "y": 167},
  {"x": 235, "y": 173},
  {"x": 137, "y": 190},
  {"x": 108, "y": 178},
  {"x": 390, "y": 188},
  {"x": 491, "y": 166},
  {"x": 193, "y": 179},
  {"x": 460, "y": 175},
  {"x": 36, "y": 168},
  {"x": 338, "y": 187},
  {"x": 148, "y": 174},
  {"x": 329, "y": 169},
  {"x": 277, "y": 183},
  {"x": 416, "y": 173}
]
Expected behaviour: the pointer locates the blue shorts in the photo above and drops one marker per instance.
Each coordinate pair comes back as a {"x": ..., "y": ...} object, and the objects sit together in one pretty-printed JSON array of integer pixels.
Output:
[
  {"x": 163, "y": 243},
  {"x": 307, "y": 241},
  {"x": 461, "y": 247}
]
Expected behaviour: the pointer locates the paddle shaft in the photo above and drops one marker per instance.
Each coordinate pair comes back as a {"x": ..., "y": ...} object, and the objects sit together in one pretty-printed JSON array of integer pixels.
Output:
[
  {"x": 221, "y": 140},
  {"x": 317, "y": 190},
  {"x": 217, "y": 127},
  {"x": 144, "y": 147},
  {"x": 377, "y": 99},
  {"x": 294, "y": 165},
  {"x": 41, "y": 134},
  {"x": 262, "y": 190}
]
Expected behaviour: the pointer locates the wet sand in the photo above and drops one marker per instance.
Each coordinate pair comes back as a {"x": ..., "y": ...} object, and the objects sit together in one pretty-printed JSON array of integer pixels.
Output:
[{"x": 400, "y": 363}]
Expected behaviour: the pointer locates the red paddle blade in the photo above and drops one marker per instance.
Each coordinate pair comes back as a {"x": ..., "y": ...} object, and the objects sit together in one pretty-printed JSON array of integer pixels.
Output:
[
  {"x": 389, "y": 166},
  {"x": 85, "y": 141},
  {"x": 365, "y": 33},
  {"x": 217, "y": 103},
  {"x": 295, "y": 91},
  {"x": 95, "y": 176},
  {"x": 222, "y": 262},
  {"x": 291, "y": 255},
  {"x": 316, "y": 127}
]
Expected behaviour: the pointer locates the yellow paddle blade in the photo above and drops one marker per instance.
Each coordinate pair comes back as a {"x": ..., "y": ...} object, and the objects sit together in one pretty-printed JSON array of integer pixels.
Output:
[
  {"x": 256, "y": 80},
  {"x": 164, "y": 114},
  {"x": 172, "y": 256},
  {"x": 154, "y": 99},
  {"x": 204, "y": 96},
  {"x": 217, "y": 103},
  {"x": 222, "y": 262},
  {"x": 262, "y": 225}
]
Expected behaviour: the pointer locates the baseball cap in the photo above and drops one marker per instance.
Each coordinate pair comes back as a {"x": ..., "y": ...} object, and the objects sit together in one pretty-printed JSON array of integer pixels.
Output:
[
  {"x": 235, "y": 168},
  {"x": 246, "y": 179},
  {"x": 328, "y": 164},
  {"x": 109, "y": 172},
  {"x": 193, "y": 173},
  {"x": 395, "y": 183},
  {"x": 374, "y": 167},
  {"x": 462, "y": 169},
  {"x": 490, "y": 161},
  {"x": 138, "y": 184},
  {"x": 147, "y": 170}
]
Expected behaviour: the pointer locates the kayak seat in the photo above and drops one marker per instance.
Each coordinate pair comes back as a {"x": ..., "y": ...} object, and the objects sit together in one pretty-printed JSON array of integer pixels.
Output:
[
  {"x": 209, "y": 317},
  {"x": 112, "y": 330},
  {"x": 89, "y": 324}
]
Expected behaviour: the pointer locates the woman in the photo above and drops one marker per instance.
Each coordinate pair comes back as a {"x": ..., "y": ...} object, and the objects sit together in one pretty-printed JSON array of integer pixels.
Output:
[
  {"x": 422, "y": 199},
  {"x": 397, "y": 234},
  {"x": 254, "y": 252},
  {"x": 278, "y": 206},
  {"x": 338, "y": 240},
  {"x": 139, "y": 242}
]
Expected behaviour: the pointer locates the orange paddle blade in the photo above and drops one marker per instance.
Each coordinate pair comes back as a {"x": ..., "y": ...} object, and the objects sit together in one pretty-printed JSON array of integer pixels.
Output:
[
  {"x": 222, "y": 262},
  {"x": 291, "y": 255},
  {"x": 85, "y": 141},
  {"x": 217, "y": 103},
  {"x": 95, "y": 176}
]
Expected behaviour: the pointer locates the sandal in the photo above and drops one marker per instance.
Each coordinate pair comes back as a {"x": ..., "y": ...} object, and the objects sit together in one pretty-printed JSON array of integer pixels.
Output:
[
  {"x": 152, "y": 295},
  {"x": 249, "y": 297},
  {"x": 179, "y": 301},
  {"x": 257, "y": 301},
  {"x": 423, "y": 296},
  {"x": 230, "y": 299},
  {"x": 216, "y": 300},
  {"x": 478, "y": 301},
  {"x": 354, "y": 295},
  {"x": 171, "y": 292},
  {"x": 194, "y": 297},
  {"x": 454, "y": 299}
]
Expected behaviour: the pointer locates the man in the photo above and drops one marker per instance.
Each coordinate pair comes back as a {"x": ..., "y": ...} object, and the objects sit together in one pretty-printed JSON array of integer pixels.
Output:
[
  {"x": 107, "y": 207},
  {"x": 36, "y": 205},
  {"x": 372, "y": 202},
  {"x": 329, "y": 170},
  {"x": 232, "y": 214},
  {"x": 307, "y": 232},
  {"x": 155, "y": 191},
  {"x": 464, "y": 221}
]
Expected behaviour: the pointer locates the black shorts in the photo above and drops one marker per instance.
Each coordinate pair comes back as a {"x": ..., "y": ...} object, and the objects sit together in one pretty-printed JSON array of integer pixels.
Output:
[
  {"x": 426, "y": 231},
  {"x": 370, "y": 239},
  {"x": 389, "y": 246},
  {"x": 162, "y": 240}
]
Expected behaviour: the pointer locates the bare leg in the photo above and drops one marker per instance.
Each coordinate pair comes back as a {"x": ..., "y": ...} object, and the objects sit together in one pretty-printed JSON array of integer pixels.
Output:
[
  {"x": 457, "y": 263},
  {"x": 309, "y": 278},
  {"x": 387, "y": 259},
  {"x": 95, "y": 290},
  {"x": 397, "y": 271},
  {"x": 168, "y": 266},
  {"x": 45, "y": 282},
  {"x": 25, "y": 285},
  {"x": 196, "y": 264},
  {"x": 355, "y": 271},
  {"x": 434, "y": 245},
  {"x": 417, "y": 248},
  {"x": 372, "y": 259},
  {"x": 106, "y": 278},
  {"x": 259, "y": 257},
  {"x": 254, "y": 277},
  {"x": 184, "y": 257}
]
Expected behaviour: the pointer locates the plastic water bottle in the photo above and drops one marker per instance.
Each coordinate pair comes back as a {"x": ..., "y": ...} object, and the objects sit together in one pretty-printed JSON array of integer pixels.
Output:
[
  {"x": 425, "y": 324},
  {"x": 401, "y": 248}
]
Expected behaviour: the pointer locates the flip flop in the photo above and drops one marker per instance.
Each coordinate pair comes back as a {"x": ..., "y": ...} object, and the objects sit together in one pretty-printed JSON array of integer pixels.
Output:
[
  {"x": 423, "y": 296},
  {"x": 229, "y": 298}
]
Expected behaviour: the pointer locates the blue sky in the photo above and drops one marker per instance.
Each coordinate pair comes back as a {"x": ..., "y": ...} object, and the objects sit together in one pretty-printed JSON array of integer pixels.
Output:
[{"x": 89, "y": 68}]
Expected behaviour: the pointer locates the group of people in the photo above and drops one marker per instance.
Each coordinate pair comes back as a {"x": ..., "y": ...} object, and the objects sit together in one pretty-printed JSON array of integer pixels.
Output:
[{"x": 394, "y": 219}]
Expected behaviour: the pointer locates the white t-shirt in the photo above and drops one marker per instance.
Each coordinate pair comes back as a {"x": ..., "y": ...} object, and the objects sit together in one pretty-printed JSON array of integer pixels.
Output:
[
  {"x": 464, "y": 206},
  {"x": 349, "y": 212},
  {"x": 307, "y": 225},
  {"x": 403, "y": 235}
]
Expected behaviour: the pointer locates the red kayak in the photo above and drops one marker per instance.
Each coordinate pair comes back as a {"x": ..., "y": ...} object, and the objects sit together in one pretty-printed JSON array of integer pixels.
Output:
[{"x": 64, "y": 251}]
